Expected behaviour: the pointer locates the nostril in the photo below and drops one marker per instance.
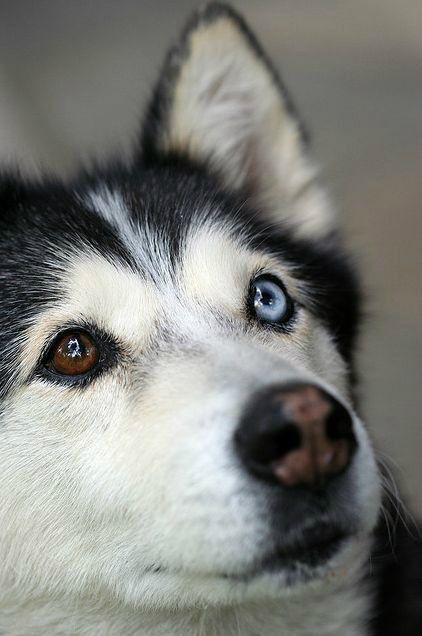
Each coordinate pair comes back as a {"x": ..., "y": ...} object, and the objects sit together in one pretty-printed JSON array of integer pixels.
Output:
[
  {"x": 267, "y": 447},
  {"x": 339, "y": 424}
]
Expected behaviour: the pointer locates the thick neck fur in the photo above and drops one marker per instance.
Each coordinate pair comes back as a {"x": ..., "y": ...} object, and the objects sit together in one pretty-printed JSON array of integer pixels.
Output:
[{"x": 343, "y": 612}]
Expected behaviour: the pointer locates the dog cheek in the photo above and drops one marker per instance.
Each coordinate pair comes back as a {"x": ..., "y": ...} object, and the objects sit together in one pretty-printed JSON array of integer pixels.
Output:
[
  {"x": 66, "y": 509},
  {"x": 200, "y": 517},
  {"x": 366, "y": 479}
]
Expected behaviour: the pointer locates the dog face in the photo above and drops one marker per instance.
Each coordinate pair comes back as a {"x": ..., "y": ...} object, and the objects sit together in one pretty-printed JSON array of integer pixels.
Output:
[{"x": 177, "y": 423}]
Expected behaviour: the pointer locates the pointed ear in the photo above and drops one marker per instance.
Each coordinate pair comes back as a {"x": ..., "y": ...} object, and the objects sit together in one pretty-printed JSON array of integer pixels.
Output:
[{"x": 220, "y": 103}]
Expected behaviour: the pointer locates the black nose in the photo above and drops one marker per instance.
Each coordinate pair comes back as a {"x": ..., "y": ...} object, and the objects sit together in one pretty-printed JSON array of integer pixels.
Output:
[{"x": 295, "y": 435}]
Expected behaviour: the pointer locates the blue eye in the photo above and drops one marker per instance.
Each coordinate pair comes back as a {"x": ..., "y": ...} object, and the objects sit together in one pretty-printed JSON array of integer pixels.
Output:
[{"x": 269, "y": 301}]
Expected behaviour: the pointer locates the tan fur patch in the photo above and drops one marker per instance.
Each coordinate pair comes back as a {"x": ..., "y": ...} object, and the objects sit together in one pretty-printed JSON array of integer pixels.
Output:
[{"x": 217, "y": 270}]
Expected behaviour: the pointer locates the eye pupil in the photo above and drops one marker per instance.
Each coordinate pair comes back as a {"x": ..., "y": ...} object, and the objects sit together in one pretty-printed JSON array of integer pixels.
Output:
[
  {"x": 73, "y": 354},
  {"x": 263, "y": 298}
]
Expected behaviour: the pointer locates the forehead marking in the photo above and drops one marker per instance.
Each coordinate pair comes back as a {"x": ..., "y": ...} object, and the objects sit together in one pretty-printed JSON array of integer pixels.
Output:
[
  {"x": 109, "y": 205},
  {"x": 107, "y": 294},
  {"x": 112, "y": 208},
  {"x": 147, "y": 250},
  {"x": 119, "y": 299},
  {"x": 217, "y": 269}
]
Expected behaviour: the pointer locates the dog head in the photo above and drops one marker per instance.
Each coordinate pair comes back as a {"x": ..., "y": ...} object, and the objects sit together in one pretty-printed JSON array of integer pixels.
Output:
[{"x": 177, "y": 422}]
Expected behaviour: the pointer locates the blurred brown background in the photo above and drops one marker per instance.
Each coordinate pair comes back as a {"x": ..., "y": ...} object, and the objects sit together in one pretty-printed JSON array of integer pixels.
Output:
[{"x": 75, "y": 74}]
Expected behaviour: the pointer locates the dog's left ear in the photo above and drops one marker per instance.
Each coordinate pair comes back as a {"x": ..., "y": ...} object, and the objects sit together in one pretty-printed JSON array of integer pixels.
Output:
[{"x": 220, "y": 103}]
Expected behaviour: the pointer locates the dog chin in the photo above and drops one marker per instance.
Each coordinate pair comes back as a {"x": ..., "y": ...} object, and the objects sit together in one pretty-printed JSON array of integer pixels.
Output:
[
  {"x": 282, "y": 570},
  {"x": 273, "y": 577}
]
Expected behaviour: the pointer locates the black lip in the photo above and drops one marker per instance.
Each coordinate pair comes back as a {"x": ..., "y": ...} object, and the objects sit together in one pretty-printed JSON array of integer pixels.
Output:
[{"x": 315, "y": 547}]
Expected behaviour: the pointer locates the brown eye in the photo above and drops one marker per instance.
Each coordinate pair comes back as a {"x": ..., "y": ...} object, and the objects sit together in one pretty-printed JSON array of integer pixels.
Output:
[{"x": 73, "y": 354}]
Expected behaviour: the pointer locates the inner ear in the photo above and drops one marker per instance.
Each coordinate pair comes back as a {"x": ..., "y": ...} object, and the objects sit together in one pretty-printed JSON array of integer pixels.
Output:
[{"x": 220, "y": 103}]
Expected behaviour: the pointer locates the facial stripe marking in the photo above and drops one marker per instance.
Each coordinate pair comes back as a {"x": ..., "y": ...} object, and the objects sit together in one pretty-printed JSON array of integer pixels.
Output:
[{"x": 96, "y": 291}]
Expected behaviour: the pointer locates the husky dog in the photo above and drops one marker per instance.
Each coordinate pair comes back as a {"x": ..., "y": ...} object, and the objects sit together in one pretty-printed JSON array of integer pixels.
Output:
[{"x": 180, "y": 448}]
